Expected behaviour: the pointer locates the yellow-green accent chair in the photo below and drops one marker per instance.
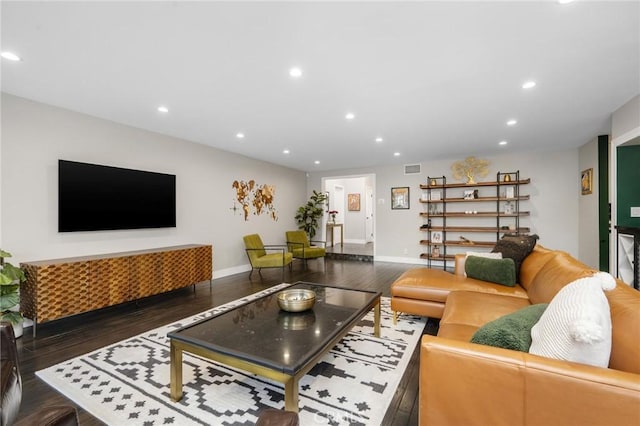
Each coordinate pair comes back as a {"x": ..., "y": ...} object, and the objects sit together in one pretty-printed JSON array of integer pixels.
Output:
[
  {"x": 301, "y": 248},
  {"x": 259, "y": 258}
]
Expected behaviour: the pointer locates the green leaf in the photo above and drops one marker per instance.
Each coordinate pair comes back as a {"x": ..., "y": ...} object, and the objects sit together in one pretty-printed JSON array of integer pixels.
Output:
[
  {"x": 9, "y": 297},
  {"x": 12, "y": 317},
  {"x": 12, "y": 273}
]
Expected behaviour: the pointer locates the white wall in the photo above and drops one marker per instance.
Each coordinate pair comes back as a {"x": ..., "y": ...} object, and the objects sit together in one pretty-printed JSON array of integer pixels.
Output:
[
  {"x": 588, "y": 233},
  {"x": 554, "y": 190},
  {"x": 35, "y": 136}
]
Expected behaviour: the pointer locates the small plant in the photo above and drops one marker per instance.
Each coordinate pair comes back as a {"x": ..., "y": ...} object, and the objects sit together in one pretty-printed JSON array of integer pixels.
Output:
[
  {"x": 333, "y": 214},
  {"x": 308, "y": 215},
  {"x": 10, "y": 279}
]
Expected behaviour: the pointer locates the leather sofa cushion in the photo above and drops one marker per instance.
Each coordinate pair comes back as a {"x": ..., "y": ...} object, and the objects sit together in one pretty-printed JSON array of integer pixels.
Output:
[
  {"x": 436, "y": 284},
  {"x": 532, "y": 264},
  {"x": 624, "y": 303},
  {"x": 472, "y": 310},
  {"x": 559, "y": 271}
]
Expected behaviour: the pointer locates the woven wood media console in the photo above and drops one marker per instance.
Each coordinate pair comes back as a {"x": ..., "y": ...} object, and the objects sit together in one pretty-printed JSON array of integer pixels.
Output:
[{"x": 62, "y": 287}]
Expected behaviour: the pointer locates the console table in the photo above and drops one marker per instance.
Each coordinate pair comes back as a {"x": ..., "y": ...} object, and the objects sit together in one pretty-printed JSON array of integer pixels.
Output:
[
  {"x": 330, "y": 227},
  {"x": 62, "y": 287}
]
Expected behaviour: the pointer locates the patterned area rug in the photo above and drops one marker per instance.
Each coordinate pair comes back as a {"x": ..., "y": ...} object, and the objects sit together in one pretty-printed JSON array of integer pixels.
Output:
[{"x": 128, "y": 382}]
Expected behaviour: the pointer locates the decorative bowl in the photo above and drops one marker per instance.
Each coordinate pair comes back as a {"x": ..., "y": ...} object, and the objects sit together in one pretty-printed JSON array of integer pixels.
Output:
[{"x": 296, "y": 300}]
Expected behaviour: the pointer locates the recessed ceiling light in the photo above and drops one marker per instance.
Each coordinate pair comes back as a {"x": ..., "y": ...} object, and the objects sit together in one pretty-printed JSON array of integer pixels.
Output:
[
  {"x": 163, "y": 108},
  {"x": 240, "y": 135},
  {"x": 350, "y": 116},
  {"x": 316, "y": 162},
  {"x": 379, "y": 140},
  {"x": 512, "y": 122},
  {"x": 10, "y": 56},
  {"x": 295, "y": 72},
  {"x": 286, "y": 151},
  {"x": 564, "y": 1},
  {"x": 396, "y": 154},
  {"x": 503, "y": 143},
  {"x": 529, "y": 84}
]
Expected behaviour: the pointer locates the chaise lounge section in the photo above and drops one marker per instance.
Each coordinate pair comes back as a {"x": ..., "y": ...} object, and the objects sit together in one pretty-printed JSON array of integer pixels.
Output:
[{"x": 468, "y": 383}]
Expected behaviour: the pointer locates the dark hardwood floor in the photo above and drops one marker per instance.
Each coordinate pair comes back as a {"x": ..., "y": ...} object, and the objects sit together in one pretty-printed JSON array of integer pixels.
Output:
[{"x": 63, "y": 339}]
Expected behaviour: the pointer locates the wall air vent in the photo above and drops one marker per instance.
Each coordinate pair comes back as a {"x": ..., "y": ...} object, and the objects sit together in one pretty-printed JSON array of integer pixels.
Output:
[{"x": 412, "y": 169}]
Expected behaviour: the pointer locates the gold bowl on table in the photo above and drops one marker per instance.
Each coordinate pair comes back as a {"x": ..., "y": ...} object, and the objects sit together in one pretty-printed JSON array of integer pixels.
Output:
[{"x": 296, "y": 300}]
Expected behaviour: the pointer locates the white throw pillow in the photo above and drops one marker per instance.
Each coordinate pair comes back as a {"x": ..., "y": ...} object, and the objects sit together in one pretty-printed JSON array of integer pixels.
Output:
[
  {"x": 479, "y": 254},
  {"x": 576, "y": 326}
]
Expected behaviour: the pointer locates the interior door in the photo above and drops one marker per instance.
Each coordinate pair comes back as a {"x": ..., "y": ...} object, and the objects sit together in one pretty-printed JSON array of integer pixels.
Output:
[{"x": 368, "y": 206}]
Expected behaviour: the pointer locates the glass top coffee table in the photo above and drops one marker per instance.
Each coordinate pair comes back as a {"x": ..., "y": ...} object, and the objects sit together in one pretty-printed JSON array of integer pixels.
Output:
[{"x": 262, "y": 339}]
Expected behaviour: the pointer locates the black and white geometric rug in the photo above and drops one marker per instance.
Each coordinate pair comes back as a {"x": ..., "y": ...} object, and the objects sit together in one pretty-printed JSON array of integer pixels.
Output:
[{"x": 127, "y": 383}]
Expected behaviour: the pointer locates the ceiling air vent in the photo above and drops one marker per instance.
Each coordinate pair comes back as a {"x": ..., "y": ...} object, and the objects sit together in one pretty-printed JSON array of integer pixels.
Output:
[{"x": 412, "y": 169}]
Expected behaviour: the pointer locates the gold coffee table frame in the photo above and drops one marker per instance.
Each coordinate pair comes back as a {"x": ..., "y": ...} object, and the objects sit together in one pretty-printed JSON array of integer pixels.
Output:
[{"x": 290, "y": 381}]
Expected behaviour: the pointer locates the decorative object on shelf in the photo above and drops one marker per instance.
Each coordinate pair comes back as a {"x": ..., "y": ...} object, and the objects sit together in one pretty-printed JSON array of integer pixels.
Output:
[
  {"x": 400, "y": 198},
  {"x": 333, "y": 214},
  {"x": 435, "y": 195},
  {"x": 586, "y": 181},
  {"x": 296, "y": 300},
  {"x": 435, "y": 251},
  {"x": 353, "y": 202},
  {"x": 470, "y": 194},
  {"x": 436, "y": 237},
  {"x": 508, "y": 208},
  {"x": 10, "y": 279},
  {"x": 510, "y": 192},
  {"x": 307, "y": 216},
  {"x": 507, "y": 178},
  {"x": 433, "y": 182},
  {"x": 250, "y": 194},
  {"x": 466, "y": 241},
  {"x": 470, "y": 168}
]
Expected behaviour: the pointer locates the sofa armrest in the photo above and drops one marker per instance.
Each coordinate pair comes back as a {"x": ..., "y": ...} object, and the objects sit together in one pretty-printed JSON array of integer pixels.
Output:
[
  {"x": 458, "y": 265},
  {"x": 465, "y": 383}
]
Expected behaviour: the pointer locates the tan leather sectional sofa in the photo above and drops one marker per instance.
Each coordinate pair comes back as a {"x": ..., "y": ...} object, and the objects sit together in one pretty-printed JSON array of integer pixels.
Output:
[{"x": 463, "y": 383}]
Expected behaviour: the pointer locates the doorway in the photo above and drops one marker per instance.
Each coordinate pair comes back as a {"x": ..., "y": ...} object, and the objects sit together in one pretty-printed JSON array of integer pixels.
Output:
[{"x": 352, "y": 197}]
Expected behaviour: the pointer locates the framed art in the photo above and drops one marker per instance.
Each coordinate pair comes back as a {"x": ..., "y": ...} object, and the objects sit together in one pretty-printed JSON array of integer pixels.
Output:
[
  {"x": 400, "y": 198},
  {"x": 586, "y": 181},
  {"x": 436, "y": 237},
  {"x": 353, "y": 202}
]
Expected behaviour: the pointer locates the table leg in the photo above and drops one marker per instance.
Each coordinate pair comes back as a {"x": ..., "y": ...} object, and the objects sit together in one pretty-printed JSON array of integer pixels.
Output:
[
  {"x": 376, "y": 316},
  {"x": 176, "y": 372},
  {"x": 291, "y": 394}
]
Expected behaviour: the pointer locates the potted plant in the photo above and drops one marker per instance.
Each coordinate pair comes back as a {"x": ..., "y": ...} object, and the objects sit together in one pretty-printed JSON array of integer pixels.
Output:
[
  {"x": 308, "y": 215},
  {"x": 10, "y": 279}
]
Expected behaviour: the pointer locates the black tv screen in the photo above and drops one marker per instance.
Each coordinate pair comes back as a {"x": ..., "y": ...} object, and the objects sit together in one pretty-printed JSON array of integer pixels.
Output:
[{"x": 93, "y": 197}]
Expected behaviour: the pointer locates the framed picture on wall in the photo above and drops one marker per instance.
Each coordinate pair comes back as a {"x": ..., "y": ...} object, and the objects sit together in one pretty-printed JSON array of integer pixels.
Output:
[
  {"x": 353, "y": 201},
  {"x": 400, "y": 198},
  {"x": 586, "y": 181}
]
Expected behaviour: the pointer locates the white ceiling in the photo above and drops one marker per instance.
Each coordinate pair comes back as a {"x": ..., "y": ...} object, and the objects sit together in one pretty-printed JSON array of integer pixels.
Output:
[{"x": 434, "y": 79}]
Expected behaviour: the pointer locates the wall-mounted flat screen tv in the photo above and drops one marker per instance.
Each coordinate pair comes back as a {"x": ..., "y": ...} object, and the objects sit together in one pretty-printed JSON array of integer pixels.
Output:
[{"x": 93, "y": 197}]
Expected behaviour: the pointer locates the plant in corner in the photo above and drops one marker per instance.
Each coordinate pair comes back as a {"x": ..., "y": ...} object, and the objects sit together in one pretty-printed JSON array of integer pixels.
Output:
[
  {"x": 308, "y": 215},
  {"x": 10, "y": 279}
]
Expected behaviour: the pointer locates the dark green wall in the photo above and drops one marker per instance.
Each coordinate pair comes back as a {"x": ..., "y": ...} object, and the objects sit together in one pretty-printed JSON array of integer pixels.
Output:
[{"x": 628, "y": 183}]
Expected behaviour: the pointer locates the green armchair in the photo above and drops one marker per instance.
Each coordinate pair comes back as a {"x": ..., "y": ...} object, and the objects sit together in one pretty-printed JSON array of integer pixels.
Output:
[
  {"x": 301, "y": 248},
  {"x": 259, "y": 258}
]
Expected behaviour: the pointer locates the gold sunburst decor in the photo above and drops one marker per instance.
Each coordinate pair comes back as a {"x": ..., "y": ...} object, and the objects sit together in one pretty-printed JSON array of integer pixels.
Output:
[{"x": 470, "y": 168}]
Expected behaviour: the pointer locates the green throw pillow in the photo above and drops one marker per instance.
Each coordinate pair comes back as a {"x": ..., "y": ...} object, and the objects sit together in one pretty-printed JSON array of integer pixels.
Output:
[
  {"x": 499, "y": 271},
  {"x": 512, "y": 331}
]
